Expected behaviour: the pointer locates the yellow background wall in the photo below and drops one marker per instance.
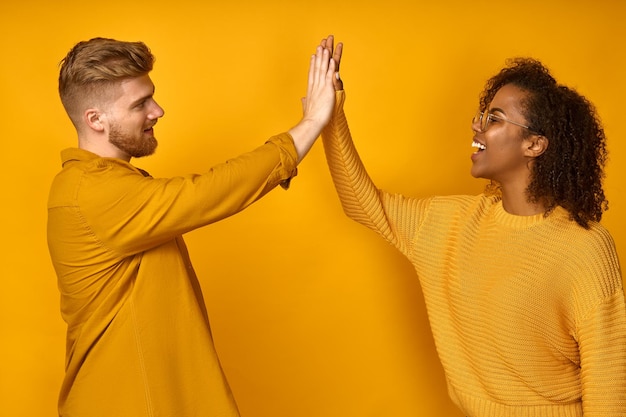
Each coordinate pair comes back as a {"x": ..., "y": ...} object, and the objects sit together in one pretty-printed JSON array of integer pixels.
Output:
[{"x": 313, "y": 315}]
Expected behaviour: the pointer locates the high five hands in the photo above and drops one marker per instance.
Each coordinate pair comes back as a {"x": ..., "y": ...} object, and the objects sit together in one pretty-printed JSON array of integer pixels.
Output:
[{"x": 318, "y": 105}]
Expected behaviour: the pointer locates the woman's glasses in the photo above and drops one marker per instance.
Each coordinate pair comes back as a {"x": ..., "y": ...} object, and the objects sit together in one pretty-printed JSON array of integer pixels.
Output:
[{"x": 484, "y": 118}]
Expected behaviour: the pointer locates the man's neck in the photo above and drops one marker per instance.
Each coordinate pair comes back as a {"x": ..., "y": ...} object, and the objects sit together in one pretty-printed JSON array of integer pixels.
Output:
[{"x": 102, "y": 147}]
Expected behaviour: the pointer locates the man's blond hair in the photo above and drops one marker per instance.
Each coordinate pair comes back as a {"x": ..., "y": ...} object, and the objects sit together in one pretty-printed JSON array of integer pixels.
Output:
[{"x": 92, "y": 66}]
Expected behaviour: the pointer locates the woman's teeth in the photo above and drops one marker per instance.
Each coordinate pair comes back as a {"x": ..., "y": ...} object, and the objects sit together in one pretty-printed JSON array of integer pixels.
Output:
[{"x": 480, "y": 146}]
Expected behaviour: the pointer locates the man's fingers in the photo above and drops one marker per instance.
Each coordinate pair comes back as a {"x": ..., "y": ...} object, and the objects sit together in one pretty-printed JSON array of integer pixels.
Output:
[
  {"x": 311, "y": 77},
  {"x": 332, "y": 71},
  {"x": 322, "y": 57}
]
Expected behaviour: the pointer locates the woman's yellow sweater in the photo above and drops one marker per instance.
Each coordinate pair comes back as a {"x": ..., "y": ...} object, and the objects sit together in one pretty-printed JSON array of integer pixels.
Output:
[{"x": 527, "y": 313}]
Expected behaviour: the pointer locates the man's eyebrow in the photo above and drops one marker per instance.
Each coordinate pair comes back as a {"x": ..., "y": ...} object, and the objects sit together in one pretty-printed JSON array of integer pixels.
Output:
[
  {"x": 140, "y": 100},
  {"x": 143, "y": 98}
]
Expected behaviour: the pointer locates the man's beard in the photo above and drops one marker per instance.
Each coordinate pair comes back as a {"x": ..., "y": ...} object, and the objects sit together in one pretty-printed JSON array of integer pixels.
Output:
[{"x": 134, "y": 146}]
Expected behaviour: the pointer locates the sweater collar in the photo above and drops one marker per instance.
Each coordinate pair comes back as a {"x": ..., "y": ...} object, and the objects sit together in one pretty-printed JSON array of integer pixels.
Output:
[{"x": 515, "y": 221}]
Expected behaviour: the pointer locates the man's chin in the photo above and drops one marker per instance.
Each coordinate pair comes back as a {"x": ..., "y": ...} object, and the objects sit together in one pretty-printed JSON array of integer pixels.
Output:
[
  {"x": 145, "y": 152},
  {"x": 139, "y": 152}
]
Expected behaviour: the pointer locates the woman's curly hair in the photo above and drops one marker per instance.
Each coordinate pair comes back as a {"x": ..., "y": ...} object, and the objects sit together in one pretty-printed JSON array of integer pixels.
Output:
[{"x": 570, "y": 172}]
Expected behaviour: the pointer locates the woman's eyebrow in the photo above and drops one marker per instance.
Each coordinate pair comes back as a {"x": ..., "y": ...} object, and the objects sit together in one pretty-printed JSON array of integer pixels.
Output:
[{"x": 496, "y": 109}]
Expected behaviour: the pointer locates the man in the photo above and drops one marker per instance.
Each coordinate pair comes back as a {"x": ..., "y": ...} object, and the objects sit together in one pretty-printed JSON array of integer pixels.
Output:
[{"x": 138, "y": 340}]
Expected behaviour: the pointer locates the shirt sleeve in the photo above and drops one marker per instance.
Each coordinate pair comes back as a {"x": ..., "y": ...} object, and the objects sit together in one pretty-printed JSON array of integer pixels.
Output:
[
  {"x": 130, "y": 213},
  {"x": 395, "y": 217}
]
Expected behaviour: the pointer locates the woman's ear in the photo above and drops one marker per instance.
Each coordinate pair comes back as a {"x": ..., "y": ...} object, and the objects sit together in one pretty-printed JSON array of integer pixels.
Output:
[{"x": 536, "y": 145}]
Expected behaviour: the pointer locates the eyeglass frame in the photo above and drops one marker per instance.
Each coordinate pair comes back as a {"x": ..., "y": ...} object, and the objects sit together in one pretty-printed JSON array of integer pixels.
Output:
[{"x": 479, "y": 116}]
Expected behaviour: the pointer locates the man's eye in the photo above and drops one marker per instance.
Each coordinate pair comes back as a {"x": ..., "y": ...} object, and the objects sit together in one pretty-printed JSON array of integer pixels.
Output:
[{"x": 493, "y": 118}]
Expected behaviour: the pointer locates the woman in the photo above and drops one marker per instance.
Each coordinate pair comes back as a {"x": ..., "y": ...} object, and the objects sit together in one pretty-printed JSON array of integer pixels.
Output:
[{"x": 522, "y": 284}]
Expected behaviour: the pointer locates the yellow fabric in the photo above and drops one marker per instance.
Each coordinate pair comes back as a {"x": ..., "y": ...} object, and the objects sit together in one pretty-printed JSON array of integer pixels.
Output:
[
  {"x": 138, "y": 336},
  {"x": 527, "y": 313}
]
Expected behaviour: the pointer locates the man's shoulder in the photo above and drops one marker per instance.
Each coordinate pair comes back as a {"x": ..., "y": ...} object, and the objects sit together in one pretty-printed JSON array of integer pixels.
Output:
[
  {"x": 77, "y": 155},
  {"x": 76, "y": 160},
  {"x": 83, "y": 171}
]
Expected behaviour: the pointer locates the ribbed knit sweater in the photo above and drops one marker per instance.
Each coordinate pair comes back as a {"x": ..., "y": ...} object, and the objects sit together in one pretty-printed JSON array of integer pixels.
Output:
[{"x": 527, "y": 312}]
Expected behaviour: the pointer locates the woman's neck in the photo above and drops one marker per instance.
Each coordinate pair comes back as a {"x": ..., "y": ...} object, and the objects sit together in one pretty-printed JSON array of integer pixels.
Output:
[{"x": 515, "y": 201}]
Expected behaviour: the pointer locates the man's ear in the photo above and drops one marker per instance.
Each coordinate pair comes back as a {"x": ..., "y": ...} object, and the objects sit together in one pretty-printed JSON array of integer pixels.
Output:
[
  {"x": 536, "y": 145},
  {"x": 95, "y": 119}
]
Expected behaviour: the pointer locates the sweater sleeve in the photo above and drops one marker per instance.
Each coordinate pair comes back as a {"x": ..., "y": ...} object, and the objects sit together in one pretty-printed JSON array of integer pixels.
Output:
[
  {"x": 602, "y": 342},
  {"x": 600, "y": 323},
  {"x": 394, "y": 217}
]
